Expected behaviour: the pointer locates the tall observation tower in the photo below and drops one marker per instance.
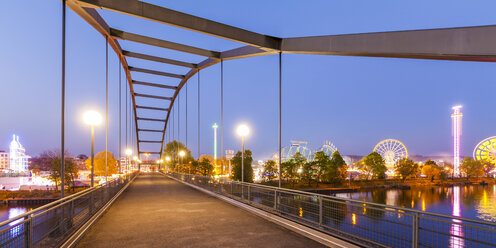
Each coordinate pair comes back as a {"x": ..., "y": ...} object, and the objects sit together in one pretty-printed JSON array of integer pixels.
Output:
[{"x": 456, "y": 120}]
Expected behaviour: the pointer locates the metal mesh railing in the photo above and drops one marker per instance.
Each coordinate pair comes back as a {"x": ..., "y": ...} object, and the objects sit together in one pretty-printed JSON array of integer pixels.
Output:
[
  {"x": 50, "y": 225},
  {"x": 363, "y": 223}
]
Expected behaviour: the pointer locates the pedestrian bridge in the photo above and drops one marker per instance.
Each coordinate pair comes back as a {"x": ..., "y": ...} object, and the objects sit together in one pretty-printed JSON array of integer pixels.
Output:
[
  {"x": 178, "y": 210},
  {"x": 157, "y": 211},
  {"x": 182, "y": 210}
]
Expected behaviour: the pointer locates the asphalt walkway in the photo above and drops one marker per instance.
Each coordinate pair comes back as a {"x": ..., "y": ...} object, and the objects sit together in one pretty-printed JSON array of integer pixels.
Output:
[{"x": 156, "y": 211}]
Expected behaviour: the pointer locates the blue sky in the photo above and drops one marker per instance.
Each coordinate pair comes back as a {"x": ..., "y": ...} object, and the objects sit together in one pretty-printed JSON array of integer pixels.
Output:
[{"x": 352, "y": 101}]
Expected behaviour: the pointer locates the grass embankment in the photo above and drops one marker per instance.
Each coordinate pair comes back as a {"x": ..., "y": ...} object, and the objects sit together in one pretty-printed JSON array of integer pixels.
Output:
[{"x": 34, "y": 194}]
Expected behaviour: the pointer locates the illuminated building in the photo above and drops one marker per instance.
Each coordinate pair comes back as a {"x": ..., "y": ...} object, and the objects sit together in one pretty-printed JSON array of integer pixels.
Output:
[
  {"x": 18, "y": 157},
  {"x": 456, "y": 119},
  {"x": 4, "y": 160}
]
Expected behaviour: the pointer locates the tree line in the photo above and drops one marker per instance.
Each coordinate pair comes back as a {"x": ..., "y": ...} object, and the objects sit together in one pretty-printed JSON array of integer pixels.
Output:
[
  {"x": 323, "y": 168},
  {"x": 469, "y": 167},
  {"x": 51, "y": 161},
  {"x": 204, "y": 165}
]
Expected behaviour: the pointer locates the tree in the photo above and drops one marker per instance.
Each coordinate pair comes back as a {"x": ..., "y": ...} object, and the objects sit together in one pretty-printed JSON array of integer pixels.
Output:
[
  {"x": 471, "y": 167},
  {"x": 308, "y": 171},
  {"x": 270, "y": 169},
  {"x": 336, "y": 170},
  {"x": 112, "y": 167},
  {"x": 300, "y": 162},
  {"x": 405, "y": 168},
  {"x": 45, "y": 160},
  {"x": 374, "y": 165},
  {"x": 320, "y": 161},
  {"x": 205, "y": 165},
  {"x": 431, "y": 170},
  {"x": 248, "y": 170},
  {"x": 70, "y": 172},
  {"x": 290, "y": 167},
  {"x": 172, "y": 150},
  {"x": 487, "y": 166}
]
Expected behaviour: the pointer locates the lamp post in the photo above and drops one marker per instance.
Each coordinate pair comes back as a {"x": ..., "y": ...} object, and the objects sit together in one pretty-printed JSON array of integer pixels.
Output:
[
  {"x": 129, "y": 152},
  {"x": 181, "y": 154},
  {"x": 243, "y": 131},
  {"x": 93, "y": 119}
]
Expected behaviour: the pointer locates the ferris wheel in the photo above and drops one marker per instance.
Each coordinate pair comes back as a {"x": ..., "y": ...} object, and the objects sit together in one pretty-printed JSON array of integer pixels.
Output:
[
  {"x": 486, "y": 150},
  {"x": 391, "y": 150}
]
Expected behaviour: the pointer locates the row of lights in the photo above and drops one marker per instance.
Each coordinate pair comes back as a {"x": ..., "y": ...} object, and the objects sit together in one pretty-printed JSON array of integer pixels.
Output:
[{"x": 93, "y": 119}]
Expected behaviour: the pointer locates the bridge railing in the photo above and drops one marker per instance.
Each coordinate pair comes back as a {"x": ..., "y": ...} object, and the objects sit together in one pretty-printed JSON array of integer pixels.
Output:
[
  {"x": 364, "y": 223},
  {"x": 51, "y": 224}
]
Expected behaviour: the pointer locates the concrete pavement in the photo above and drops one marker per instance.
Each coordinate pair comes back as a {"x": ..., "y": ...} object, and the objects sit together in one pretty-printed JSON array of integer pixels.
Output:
[{"x": 156, "y": 211}]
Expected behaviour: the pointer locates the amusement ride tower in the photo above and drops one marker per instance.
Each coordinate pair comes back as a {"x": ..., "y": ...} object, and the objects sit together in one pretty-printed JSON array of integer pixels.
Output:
[{"x": 456, "y": 120}]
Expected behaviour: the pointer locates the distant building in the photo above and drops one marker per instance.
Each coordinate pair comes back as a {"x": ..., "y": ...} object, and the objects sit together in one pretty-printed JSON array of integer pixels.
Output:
[
  {"x": 4, "y": 160},
  {"x": 18, "y": 158}
]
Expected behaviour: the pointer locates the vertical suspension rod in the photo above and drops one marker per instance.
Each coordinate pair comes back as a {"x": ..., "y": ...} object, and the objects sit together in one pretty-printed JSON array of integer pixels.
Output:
[
  {"x": 120, "y": 115},
  {"x": 62, "y": 111},
  {"x": 221, "y": 114},
  {"x": 280, "y": 115},
  {"x": 198, "y": 114},
  {"x": 106, "y": 106}
]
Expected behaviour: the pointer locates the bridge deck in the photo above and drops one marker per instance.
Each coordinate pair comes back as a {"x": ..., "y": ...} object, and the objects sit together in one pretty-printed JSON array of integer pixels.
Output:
[{"x": 156, "y": 211}]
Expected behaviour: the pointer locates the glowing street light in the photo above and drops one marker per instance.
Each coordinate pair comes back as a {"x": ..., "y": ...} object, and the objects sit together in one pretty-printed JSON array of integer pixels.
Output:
[
  {"x": 93, "y": 119},
  {"x": 243, "y": 131}
]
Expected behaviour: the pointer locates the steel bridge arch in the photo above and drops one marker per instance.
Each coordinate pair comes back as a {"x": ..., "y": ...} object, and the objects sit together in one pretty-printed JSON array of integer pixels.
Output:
[{"x": 441, "y": 44}]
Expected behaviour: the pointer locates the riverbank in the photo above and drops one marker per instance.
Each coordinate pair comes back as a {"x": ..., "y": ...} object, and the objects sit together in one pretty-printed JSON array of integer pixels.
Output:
[
  {"x": 358, "y": 185},
  {"x": 28, "y": 197}
]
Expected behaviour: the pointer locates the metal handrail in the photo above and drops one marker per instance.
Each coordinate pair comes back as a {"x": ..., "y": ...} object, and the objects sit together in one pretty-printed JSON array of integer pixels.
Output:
[
  {"x": 361, "y": 202},
  {"x": 48, "y": 205},
  {"x": 51, "y": 224},
  {"x": 383, "y": 225}
]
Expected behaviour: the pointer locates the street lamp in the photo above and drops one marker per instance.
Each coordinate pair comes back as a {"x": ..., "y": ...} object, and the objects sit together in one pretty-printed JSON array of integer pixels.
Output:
[
  {"x": 243, "y": 131},
  {"x": 93, "y": 119},
  {"x": 181, "y": 154}
]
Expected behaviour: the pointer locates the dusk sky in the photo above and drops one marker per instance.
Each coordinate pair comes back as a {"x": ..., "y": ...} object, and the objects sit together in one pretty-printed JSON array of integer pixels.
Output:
[{"x": 354, "y": 102}]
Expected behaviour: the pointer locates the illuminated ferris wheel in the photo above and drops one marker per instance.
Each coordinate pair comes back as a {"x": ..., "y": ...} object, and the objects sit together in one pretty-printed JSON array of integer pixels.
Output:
[
  {"x": 486, "y": 150},
  {"x": 391, "y": 150}
]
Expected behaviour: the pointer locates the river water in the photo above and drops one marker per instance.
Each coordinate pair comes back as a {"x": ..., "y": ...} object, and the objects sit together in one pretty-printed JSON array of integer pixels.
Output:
[
  {"x": 473, "y": 201},
  {"x": 8, "y": 212}
]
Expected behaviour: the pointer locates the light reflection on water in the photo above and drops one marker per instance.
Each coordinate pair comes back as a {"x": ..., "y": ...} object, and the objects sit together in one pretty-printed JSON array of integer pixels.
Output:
[
  {"x": 16, "y": 211},
  {"x": 475, "y": 201},
  {"x": 456, "y": 229},
  {"x": 472, "y": 201}
]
